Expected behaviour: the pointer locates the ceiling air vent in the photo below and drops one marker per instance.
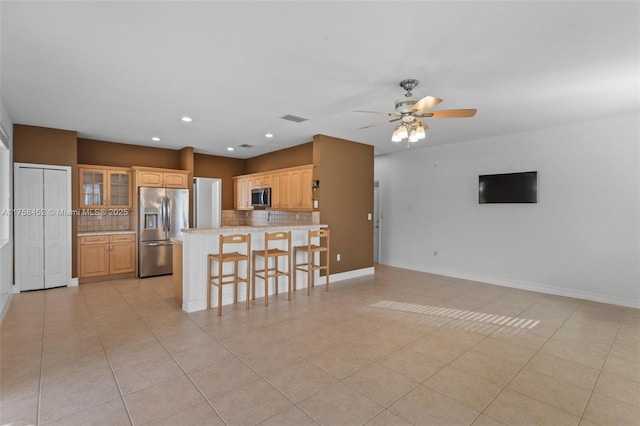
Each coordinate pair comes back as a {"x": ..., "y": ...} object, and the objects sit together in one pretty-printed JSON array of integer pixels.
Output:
[
  {"x": 245, "y": 145},
  {"x": 294, "y": 118}
]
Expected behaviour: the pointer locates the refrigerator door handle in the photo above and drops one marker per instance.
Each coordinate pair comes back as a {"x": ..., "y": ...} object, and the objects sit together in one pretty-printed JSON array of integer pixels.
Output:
[
  {"x": 162, "y": 214},
  {"x": 165, "y": 212},
  {"x": 166, "y": 203},
  {"x": 156, "y": 244}
]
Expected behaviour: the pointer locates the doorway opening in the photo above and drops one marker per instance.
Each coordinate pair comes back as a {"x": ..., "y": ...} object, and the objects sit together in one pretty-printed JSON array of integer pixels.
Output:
[{"x": 377, "y": 216}]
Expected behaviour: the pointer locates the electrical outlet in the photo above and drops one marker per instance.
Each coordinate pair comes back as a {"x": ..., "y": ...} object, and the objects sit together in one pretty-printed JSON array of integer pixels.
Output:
[
  {"x": 338, "y": 257},
  {"x": 369, "y": 216}
]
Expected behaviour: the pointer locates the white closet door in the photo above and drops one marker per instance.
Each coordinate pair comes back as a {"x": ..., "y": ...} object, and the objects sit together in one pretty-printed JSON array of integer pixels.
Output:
[
  {"x": 42, "y": 199},
  {"x": 56, "y": 230},
  {"x": 29, "y": 229}
]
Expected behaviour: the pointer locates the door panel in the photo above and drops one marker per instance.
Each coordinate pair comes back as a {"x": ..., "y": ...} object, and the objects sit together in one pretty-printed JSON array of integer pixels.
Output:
[
  {"x": 94, "y": 260},
  {"x": 151, "y": 214},
  {"x": 178, "y": 211},
  {"x": 122, "y": 258},
  {"x": 155, "y": 259},
  {"x": 57, "y": 233},
  {"x": 29, "y": 230},
  {"x": 42, "y": 226}
]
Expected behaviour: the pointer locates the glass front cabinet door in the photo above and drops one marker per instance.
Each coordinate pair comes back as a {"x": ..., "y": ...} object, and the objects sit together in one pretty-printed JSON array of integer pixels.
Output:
[{"x": 101, "y": 188}]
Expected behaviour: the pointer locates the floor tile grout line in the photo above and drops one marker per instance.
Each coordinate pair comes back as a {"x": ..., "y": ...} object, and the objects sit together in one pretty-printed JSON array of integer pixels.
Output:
[
  {"x": 252, "y": 369},
  {"x": 595, "y": 383},
  {"x": 174, "y": 360},
  {"x": 230, "y": 351},
  {"x": 303, "y": 357},
  {"x": 113, "y": 374},
  {"x": 44, "y": 322},
  {"x": 526, "y": 363},
  {"x": 352, "y": 305}
]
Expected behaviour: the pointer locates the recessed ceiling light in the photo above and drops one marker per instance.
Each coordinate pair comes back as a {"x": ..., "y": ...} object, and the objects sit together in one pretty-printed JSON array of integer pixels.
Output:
[
  {"x": 230, "y": 148},
  {"x": 187, "y": 119},
  {"x": 268, "y": 135},
  {"x": 155, "y": 139}
]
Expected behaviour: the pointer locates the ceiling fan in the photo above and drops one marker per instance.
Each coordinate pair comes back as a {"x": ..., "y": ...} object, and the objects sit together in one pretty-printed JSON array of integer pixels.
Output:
[{"x": 410, "y": 111}]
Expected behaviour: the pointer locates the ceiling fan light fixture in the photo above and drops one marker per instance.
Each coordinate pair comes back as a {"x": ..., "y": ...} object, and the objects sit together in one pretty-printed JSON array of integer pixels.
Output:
[
  {"x": 402, "y": 132},
  {"x": 413, "y": 137},
  {"x": 395, "y": 137},
  {"x": 410, "y": 112}
]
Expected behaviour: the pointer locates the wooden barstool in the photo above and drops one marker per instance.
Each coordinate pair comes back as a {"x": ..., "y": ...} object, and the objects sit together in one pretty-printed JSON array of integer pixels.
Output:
[
  {"x": 272, "y": 272},
  {"x": 310, "y": 266},
  {"x": 223, "y": 257}
]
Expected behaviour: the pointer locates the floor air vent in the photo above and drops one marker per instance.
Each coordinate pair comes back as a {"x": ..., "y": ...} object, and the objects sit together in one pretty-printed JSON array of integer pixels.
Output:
[{"x": 294, "y": 118}]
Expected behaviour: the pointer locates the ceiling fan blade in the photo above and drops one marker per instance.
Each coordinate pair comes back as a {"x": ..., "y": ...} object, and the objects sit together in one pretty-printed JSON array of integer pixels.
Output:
[
  {"x": 378, "y": 124},
  {"x": 451, "y": 113},
  {"x": 426, "y": 103},
  {"x": 390, "y": 114}
]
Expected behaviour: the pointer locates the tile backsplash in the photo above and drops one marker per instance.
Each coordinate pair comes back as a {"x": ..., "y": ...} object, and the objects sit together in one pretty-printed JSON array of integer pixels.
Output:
[
  {"x": 101, "y": 221},
  {"x": 268, "y": 217},
  {"x": 106, "y": 222}
]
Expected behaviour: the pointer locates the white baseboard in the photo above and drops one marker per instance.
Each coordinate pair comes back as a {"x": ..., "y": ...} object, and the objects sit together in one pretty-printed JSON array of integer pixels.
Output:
[
  {"x": 5, "y": 307},
  {"x": 196, "y": 305},
  {"x": 352, "y": 274},
  {"x": 538, "y": 287},
  {"x": 73, "y": 282}
]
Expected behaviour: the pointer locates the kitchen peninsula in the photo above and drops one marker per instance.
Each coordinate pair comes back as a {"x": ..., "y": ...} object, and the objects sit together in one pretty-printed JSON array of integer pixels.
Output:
[{"x": 197, "y": 243}]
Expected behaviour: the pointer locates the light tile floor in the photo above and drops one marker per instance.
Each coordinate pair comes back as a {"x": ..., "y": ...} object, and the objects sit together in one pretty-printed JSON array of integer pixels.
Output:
[{"x": 396, "y": 348}]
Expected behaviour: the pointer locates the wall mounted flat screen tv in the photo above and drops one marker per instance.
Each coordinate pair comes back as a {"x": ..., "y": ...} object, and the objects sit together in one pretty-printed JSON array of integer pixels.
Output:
[{"x": 508, "y": 188}]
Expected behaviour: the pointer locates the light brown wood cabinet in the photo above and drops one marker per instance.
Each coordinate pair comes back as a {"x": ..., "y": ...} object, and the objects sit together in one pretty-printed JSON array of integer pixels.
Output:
[
  {"x": 102, "y": 187},
  {"x": 299, "y": 190},
  {"x": 103, "y": 255},
  {"x": 161, "y": 178},
  {"x": 290, "y": 188},
  {"x": 280, "y": 191},
  {"x": 242, "y": 193}
]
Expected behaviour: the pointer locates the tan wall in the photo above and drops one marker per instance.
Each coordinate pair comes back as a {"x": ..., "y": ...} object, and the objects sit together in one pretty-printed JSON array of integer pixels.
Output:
[
  {"x": 345, "y": 196},
  {"x": 104, "y": 153},
  {"x": 224, "y": 168},
  {"x": 42, "y": 145},
  {"x": 298, "y": 155}
]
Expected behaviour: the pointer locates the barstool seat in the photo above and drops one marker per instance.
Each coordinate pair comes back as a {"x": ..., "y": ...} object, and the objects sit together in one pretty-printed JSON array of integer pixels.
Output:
[
  {"x": 281, "y": 238},
  {"x": 234, "y": 257},
  {"x": 311, "y": 265}
]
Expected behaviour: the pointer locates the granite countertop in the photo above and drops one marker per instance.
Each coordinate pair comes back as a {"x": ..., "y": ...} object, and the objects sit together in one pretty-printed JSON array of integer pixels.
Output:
[
  {"x": 94, "y": 233},
  {"x": 249, "y": 228}
]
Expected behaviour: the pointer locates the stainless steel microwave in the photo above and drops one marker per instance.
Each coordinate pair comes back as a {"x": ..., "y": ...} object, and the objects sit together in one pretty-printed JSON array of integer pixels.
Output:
[{"x": 261, "y": 197}]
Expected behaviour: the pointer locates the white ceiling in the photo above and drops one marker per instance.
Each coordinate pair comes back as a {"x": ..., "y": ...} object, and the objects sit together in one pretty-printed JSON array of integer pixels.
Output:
[{"x": 127, "y": 71}]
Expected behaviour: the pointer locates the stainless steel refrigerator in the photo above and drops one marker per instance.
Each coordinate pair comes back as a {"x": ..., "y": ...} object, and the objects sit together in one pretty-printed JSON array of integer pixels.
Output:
[
  {"x": 162, "y": 213},
  {"x": 207, "y": 202}
]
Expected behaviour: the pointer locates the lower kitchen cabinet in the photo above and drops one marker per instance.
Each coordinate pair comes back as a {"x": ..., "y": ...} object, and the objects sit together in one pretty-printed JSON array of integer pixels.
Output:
[{"x": 104, "y": 255}]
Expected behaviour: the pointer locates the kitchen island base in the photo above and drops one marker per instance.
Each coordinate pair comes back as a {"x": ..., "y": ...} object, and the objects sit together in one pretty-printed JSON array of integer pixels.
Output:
[{"x": 198, "y": 243}]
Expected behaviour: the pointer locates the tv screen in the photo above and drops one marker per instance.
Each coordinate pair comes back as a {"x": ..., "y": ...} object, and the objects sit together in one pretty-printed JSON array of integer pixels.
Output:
[{"x": 508, "y": 188}]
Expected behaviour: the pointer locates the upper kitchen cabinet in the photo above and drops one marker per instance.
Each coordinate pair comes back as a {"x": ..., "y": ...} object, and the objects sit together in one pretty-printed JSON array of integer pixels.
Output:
[
  {"x": 300, "y": 192},
  {"x": 242, "y": 193},
  {"x": 161, "y": 178},
  {"x": 291, "y": 189},
  {"x": 104, "y": 187}
]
